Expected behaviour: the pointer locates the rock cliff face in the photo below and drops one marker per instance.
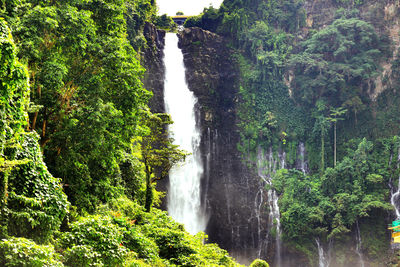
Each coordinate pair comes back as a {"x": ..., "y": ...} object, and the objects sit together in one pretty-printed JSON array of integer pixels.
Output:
[
  {"x": 229, "y": 187},
  {"x": 152, "y": 60},
  {"x": 383, "y": 15},
  {"x": 232, "y": 192}
]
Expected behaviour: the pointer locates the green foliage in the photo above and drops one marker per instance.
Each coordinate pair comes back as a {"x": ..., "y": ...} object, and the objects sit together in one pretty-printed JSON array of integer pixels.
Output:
[
  {"x": 14, "y": 92},
  {"x": 259, "y": 30},
  {"x": 137, "y": 13},
  {"x": 209, "y": 19},
  {"x": 82, "y": 255},
  {"x": 96, "y": 133},
  {"x": 330, "y": 204},
  {"x": 259, "y": 263},
  {"x": 235, "y": 17},
  {"x": 145, "y": 247},
  {"x": 123, "y": 232},
  {"x": 33, "y": 204},
  {"x": 23, "y": 252},
  {"x": 336, "y": 62},
  {"x": 86, "y": 76},
  {"x": 36, "y": 204},
  {"x": 158, "y": 153},
  {"x": 100, "y": 236},
  {"x": 165, "y": 22},
  {"x": 321, "y": 127}
]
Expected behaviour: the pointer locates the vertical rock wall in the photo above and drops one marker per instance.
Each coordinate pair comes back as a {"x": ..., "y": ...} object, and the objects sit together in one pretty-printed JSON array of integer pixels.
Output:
[
  {"x": 152, "y": 60},
  {"x": 229, "y": 188},
  {"x": 233, "y": 193}
]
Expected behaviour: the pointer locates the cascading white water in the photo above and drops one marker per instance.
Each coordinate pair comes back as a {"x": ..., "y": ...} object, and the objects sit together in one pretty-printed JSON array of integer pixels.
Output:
[
  {"x": 184, "y": 203},
  {"x": 207, "y": 171},
  {"x": 265, "y": 171},
  {"x": 303, "y": 163},
  {"x": 394, "y": 200},
  {"x": 359, "y": 245},
  {"x": 322, "y": 261}
]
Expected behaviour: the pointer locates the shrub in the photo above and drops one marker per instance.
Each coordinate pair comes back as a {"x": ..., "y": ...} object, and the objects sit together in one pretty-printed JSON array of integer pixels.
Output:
[
  {"x": 136, "y": 241},
  {"x": 172, "y": 243},
  {"x": 82, "y": 255},
  {"x": 33, "y": 204},
  {"x": 259, "y": 263},
  {"x": 157, "y": 240},
  {"x": 99, "y": 235},
  {"x": 24, "y": 252},
  {"x": 36, "y": 204}
]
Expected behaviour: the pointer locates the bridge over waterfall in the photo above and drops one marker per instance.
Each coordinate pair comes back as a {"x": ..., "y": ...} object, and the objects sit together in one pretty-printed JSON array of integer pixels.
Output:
[{"x": 180, "y": 20}]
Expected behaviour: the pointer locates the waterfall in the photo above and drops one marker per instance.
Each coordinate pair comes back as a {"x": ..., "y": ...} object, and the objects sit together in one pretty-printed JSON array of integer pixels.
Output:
[
  {"x": 322, "y": 261},
  {"x": 207, "y": 170},
  {"x": 359, "y": 245},
  {"x": 266, "y": 165},
  {"x": 394, "y": 200},
  {"x": 184, "y": 203},
  {"x": 303, "y": 164}
]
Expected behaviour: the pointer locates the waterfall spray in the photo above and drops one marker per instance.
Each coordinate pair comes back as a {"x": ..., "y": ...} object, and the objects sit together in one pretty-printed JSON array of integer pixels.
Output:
[
  {"x": 394, "y": 200},
  {"x": 322, "y": 261},
  {"x": 359, "y": 245},
  {"x": 184, "y": 203},
  {"x": 266, "y": 166},
  {"x": 303, "y": 164}
]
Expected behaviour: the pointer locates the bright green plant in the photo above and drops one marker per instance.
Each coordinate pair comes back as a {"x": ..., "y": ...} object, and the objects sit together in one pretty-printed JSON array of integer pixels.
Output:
[
  {"x": 33, "y": 203},
  {"x": 23, "y": 252},
  {"x": 86, "y": 77},
  {"x": 156, "y": 239},
  {"x": 99, "y": 236},
  {"x": 158, "y": 153},
  {"x": 259, "y": 263}
]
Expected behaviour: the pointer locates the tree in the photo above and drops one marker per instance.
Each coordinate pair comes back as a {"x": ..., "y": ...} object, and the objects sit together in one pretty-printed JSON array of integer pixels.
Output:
[
  {"x": 86, "y": 75},
  {"x": 335, "y": 116},
  {"x": 336, "y": 60},
  {"x": 32, "y": 202},
  {"x": 321, "y": 126},
  {"x": 159, "y": 154},
  {"x": 355, "y": 104},
  {"x": 180, "y": 13}
]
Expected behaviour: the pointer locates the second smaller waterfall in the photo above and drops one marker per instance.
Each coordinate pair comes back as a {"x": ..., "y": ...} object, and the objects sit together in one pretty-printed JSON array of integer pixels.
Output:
[
  {"x": 322, "y": 259},
  {"x": 395, "y": 198},
  {"x": 359, "y": 245},
  {"x": 267, "y": 165}
]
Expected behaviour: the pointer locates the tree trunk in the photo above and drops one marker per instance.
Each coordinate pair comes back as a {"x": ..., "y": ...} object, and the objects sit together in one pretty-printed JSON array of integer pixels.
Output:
[
  {"x": 322, "y": 152},
  {"x": 34, "y": 120},
  {"x": 3, "y": 189},
  {"x": 334, "y": 145},
  {"x": 4, "y": 196},
  {"x": 149, "y": 190}
]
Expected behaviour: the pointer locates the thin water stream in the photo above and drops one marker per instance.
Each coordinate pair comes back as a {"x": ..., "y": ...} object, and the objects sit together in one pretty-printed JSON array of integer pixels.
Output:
[
  {"x": 394, "y": 200},
  {"x": 359, "y": 245},
  {"x": 322, "y": 258},
  {"x": 267, "y": 165}
]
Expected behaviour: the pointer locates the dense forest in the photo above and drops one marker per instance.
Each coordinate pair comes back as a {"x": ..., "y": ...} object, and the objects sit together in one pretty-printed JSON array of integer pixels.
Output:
[{"x": 81, "y": 151}]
